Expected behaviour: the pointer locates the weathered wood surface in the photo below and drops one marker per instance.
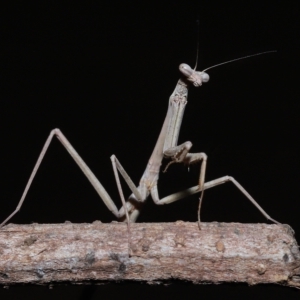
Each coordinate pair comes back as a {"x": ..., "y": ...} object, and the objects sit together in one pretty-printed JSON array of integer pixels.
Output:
[{"x": 220, "y": 252}]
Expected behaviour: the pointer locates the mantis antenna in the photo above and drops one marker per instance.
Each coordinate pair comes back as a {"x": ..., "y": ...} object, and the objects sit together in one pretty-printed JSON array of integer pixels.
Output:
[
  {"x": 198, "y": 38},
  {"x": 232, "y": 60}
]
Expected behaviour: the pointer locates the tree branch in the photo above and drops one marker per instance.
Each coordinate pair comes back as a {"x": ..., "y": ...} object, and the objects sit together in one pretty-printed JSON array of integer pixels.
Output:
[{"x": 220, "y": 252}]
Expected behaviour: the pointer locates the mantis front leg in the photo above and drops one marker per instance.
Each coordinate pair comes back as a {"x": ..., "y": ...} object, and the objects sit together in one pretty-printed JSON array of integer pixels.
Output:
[{"x": 180, "y": 154}]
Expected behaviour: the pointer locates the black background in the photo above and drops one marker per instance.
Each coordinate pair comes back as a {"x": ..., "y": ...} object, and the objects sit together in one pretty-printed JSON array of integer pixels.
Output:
[{"x": 103, "y": 74}]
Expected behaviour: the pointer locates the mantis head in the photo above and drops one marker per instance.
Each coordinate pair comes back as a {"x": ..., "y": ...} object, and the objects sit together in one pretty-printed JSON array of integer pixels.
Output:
[{"x": 195, "y": 77}]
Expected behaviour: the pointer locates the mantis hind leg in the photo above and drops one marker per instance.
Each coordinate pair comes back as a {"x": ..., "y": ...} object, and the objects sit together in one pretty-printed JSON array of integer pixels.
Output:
[{"x": 82, "y": 165}]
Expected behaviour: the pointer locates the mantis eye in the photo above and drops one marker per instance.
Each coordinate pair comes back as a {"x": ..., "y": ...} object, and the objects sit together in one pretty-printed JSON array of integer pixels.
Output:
[
  {"x": 186, "y": 70},
  {"x": 204, "y": 76}
]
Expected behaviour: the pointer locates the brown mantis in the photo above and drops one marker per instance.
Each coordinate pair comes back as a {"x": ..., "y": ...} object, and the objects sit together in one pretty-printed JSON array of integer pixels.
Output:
[{"x": 166, "y": 147}]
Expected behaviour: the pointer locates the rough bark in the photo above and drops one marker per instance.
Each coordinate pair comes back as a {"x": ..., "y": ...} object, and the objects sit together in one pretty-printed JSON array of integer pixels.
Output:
[{"x": 97, "y": 252}]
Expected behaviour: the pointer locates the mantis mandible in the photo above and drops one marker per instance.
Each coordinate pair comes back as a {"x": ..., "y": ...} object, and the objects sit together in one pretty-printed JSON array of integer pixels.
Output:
[{"x": 166, "y": 147}]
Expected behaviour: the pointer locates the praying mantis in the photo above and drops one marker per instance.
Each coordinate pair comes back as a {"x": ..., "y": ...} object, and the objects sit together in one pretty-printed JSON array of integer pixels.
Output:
[{"x": 166, "y": 148}]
